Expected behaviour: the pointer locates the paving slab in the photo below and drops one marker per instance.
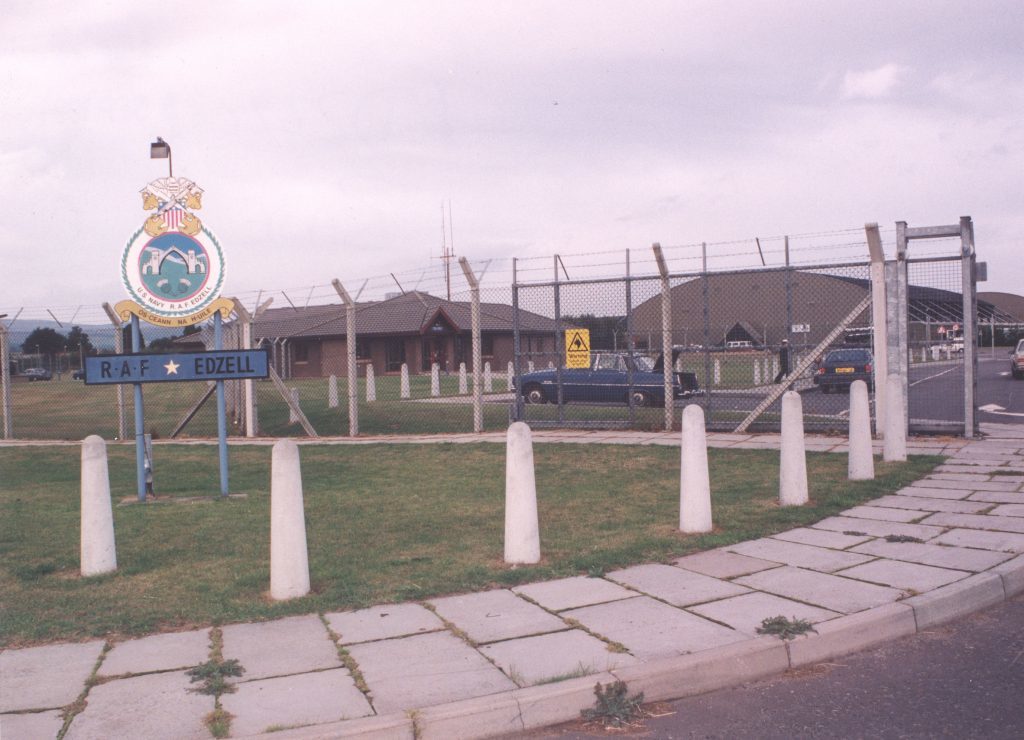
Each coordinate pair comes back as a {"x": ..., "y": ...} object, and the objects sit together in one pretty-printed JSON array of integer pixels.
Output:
[
  {"x": 382, "y": 622},
  {"x": 910, "y": 577},
  {"x": 978, "y": 521},
  {"x": 952, "y": 494},
  {"x": 804, "y": 556},
  {"x": 30, "y": 726},
  {"x": 847, "y": 525},
  {"x": 287, "y": 701},
  {"x": 1008, "y": 510},
  {"x": 821, "y": 538},
  {"x": 419, "y": 671},
  {"x": 998, "y": 497},
  {"x": 652, "y": 629},
  {"x": 721, "y": 563},
  {"x": 674, "y": 585},
  {"x": 930, "y": 504},
  {"x": 746, "y": 613},
  {"x": 281, "y": 647},
  {"x": 560, "y": 655},
  {"x": 46, "y": 677},
  {"x": 570, "y": 593},
  {"x": 171, "y": 651},
  {"x": 971, "y": 477},
  {"x": 884, "y": 514},
  {"x": 999, "y": 541},
  {"x": 496, "y": 615},
  {"x": 942, "y": 556},
  {"x": 821, "y": 589},
  {"x": 932, "y": 482},
  {"x": 155, "y": 706}
]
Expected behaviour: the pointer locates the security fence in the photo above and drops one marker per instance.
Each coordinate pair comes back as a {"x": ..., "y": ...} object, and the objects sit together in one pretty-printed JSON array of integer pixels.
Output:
[{"x": 736, "y": 337}]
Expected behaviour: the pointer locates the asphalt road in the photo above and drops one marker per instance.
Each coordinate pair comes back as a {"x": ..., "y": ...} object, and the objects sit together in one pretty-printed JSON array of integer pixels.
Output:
[{"x": 961, "y": 680}]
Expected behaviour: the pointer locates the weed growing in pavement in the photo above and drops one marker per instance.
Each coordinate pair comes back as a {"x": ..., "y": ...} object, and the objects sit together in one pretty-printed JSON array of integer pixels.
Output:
[
  {"x": 218, "y": 722},
  {"x": 613, "y": 705},
  {"x": 785, "y": 629},
  {"x": 902, "y": 538},
  {"x": 214, "y": 674},
  {"x": 854, "y": 533}
]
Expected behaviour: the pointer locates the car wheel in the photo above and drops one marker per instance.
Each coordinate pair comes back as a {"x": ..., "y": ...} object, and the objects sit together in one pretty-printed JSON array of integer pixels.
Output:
[
  {"x": 640, "y": 398},
  {"x": 1016, "y": 374},
  {"x": 534, "y": 394}
]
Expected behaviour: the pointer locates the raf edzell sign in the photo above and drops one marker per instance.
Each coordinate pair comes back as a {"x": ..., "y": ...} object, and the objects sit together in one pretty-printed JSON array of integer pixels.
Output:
[{"x": 180, "y": 366}]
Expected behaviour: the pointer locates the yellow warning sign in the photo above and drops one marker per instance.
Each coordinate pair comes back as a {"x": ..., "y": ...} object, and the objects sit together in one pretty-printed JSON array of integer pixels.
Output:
[{"x": 577, "y": 348}]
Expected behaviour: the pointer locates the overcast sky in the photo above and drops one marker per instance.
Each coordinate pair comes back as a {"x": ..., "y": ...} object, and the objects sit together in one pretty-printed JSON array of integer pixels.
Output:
[{"x": 327, "y": 135}]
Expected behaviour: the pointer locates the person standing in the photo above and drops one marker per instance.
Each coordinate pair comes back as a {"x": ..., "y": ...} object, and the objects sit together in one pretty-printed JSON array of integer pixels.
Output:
[{"x": 783, "y": 361}]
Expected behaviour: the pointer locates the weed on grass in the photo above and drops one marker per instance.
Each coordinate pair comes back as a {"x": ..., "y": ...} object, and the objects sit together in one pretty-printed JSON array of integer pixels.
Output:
[
  {"x": 785, "y": 629},
  {"x": 613, "y": 705}
]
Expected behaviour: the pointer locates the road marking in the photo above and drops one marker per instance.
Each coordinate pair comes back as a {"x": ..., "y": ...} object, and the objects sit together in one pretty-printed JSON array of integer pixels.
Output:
[
  {"x": 932, "y": 377},
  {"x": 993, "y": 408}
]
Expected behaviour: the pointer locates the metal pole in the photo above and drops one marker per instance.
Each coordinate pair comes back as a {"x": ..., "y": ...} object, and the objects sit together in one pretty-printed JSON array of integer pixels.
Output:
[
  {"x": 557, "y": 335},
  {"x": 5, "y": 381},
  {"x": 222, "y": 422},
  {"x": 666, "y": 335},
  {"x": 516, "y": 345},
  {"x": 474, "y": 313},
  {"x": 708, "y": 379},
  {"x": 350, "y": 351},
  {"x": 140, "y": 425},
  {"x": 970, "y": 325},
  {"x": 629, "y": 337}
]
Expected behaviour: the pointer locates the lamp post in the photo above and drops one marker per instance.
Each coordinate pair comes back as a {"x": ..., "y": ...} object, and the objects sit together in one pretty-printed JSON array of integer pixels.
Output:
[{"x": 160, "y": 149}]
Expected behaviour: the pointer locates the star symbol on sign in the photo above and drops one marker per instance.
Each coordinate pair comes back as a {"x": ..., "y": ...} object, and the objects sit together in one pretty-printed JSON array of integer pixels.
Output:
[{"x": 171, "y": 367}]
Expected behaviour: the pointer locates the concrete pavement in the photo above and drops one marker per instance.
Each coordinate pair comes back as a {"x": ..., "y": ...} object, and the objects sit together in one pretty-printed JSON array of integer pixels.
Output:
[{"x": 508, "y": 660}]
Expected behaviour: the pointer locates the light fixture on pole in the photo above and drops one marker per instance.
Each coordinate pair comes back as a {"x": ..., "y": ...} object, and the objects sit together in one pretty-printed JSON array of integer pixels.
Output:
[{"x": 160, "y": 149}]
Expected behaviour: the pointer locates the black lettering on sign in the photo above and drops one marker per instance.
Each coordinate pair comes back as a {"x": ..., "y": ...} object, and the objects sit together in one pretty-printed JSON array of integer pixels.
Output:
[
  {"x": 229, "y": 364},
  {"x": 143, "y": 368},
  {"x": 105, "y": 369},
  {"x": 199, "y": 366},
  {"x": 211, "y": 365},
  {"x": 126, "y": 369}
]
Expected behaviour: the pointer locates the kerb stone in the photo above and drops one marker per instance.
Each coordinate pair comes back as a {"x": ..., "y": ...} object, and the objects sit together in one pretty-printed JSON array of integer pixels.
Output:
[
  {"x": 957, "y": 599},
  {"x": 852, "y": 633}
]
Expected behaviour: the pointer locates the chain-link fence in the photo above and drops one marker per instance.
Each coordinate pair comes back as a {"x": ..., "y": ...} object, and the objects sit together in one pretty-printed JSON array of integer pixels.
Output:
[{"x": 436, "y": 355}]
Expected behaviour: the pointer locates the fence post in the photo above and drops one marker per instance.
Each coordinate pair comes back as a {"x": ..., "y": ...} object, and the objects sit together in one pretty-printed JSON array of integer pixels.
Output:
[
  {"x": 879, "y": 325},
  {"x": 474, "y": 313},
  {"x": 249, "y": 412},
  {"x": 350, "y": 350},
  {"x": 119, "y": 349},
  {"x": 666, "y": 334},
  {"x": 970, "y": 317},
  {"x": 5, "y": 381}
]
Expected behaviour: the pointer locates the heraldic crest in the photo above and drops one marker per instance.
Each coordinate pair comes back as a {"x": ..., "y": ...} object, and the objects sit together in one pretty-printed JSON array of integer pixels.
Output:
[{"x": 172, "y": 266}]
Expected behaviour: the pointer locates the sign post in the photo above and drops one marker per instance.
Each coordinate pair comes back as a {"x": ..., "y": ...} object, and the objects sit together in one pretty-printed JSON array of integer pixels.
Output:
[{"x": 173, "y": 269}]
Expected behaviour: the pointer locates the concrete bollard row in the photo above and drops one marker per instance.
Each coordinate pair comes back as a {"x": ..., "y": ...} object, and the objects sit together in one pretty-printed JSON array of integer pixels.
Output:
[
  {"x": 404, "y": 387},
  {"x": 694, "y": 478},
  {"x": 289, "y": 558},
  {"x": 522, "y": 530},
  {"x": 861, "y": 463},
  {"x": 488, "y": 378},
  {"x": 332, "y": 392},
  {"x": 463, "y": 385},
  {"x": 435, "y": 380},
  {"x": 792, "y": 456},
  {"x": 371, "y": 384},
  {"x": 98, "y": 553},
  {"x": 510, "y": 376}
]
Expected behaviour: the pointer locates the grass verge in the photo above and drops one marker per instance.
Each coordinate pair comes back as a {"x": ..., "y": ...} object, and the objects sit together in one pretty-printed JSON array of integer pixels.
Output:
[{"x": 385, "y": 523}]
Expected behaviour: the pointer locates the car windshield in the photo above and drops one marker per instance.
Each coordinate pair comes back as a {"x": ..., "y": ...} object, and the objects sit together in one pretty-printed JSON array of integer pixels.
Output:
[
  {"x": 847, "y": 355},
  {"x": 1020, "y": 346},
  {"x": 644, "y": 364}
]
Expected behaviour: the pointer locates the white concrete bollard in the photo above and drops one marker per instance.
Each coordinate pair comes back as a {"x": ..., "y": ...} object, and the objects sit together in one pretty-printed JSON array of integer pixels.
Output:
[
  {"x": 510, "y": 376},
  {"x": 522, "y": 531},
  {"x": 935, "y": 353},
  {"x": 924, "y": 354},
  {"x": 529, "y": 366},
  {"x": 895, "y": 448},
  {"x": 293, "y": 418},
  {"x": 289, "y": 558},
  {"x": 435, "y": 380},
  {"x": 488, "y": 378},
  {"x": 371, "y": 384},
  {"x": 792, "y": 457},
  {"x": 757, "y": 373},
  {"x": 861, "y": 463},
  {"x": 332, "y": 392},
  {"x": 463, "y": 386},
  {"x": 98, "y": 551},
  {"x": 404, "y": 389},
  {"x": 551, "y": 365},
  {"x": 718, "y": 371},
  {"x": 694, "y": 480}
]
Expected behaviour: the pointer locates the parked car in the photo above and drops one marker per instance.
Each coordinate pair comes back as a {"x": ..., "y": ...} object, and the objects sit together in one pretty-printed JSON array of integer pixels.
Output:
[
  {"x": 1017, "y": 361},
  {"x": 37, "y": 373},
  {"x": 841, "y": 367},
  {"x": 607, "y": 380},
  {"x": 78, "y": 375}
]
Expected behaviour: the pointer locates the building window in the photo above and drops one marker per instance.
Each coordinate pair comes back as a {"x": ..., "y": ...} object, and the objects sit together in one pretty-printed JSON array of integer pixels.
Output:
[
  {"x": 394, "y": 354},
  {"x": 301, "y": 353},
  {"x": 487, "y": 344},
  {"x": 362, "y": 349}
]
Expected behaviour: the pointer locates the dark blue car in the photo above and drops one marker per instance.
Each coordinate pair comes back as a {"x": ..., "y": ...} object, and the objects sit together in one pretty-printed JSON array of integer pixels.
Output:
[{"x": 611, "y": 378}]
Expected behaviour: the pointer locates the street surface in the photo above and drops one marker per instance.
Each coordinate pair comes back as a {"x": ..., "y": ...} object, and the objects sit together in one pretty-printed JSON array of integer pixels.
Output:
[{"x": 964, "y": 679}]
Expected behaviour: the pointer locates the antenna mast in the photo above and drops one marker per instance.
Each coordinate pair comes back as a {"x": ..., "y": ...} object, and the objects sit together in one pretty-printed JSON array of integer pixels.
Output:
[{"x": 447, "y": 247}]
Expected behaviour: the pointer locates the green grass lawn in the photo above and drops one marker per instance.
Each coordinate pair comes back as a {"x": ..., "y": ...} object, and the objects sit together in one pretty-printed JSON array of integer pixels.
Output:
[{"x": 385, "y": 523}]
